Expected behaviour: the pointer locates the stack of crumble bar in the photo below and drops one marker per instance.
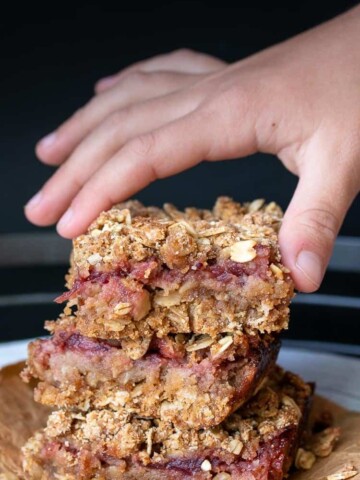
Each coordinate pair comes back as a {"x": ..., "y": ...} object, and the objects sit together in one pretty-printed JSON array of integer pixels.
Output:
[{"x": 162, "y": 365}]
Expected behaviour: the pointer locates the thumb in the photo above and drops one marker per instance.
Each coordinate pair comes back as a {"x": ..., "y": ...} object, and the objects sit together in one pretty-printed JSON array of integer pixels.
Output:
[{"x": 312, "y": 222}]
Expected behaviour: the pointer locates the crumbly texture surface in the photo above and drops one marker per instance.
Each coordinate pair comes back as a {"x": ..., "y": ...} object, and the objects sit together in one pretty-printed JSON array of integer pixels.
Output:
[
  {"x": 258, "y": 442},
  {"x": 203, "y": 379},
  {"x": 140, "y": 270}
]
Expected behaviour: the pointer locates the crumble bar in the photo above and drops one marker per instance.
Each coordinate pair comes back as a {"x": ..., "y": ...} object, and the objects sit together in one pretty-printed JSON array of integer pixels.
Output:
[
  {"x": 140, "y": 270},
  {"x": 258, "y": 442},
  {"x": 193, "y": 381}
]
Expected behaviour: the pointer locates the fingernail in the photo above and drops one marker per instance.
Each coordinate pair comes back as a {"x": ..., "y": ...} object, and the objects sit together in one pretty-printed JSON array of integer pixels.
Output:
[
  {"x": 34, "y": 201},
  {"x": 65, "y": 219},
  {"x": 311, "y": 266},
  {"x": 48, "y": 141}
]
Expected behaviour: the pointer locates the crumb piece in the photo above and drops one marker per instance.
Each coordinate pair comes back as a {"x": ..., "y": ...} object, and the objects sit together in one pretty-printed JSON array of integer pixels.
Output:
[
  {"x": 323, "y": 443},
  {"x": 348, "y": 471},
  {"x": 206, "y": 466},
  {"x": 304, "y": 459},
  {"x": 94, "y": 259},
  {"x": 243, "y": 251}
]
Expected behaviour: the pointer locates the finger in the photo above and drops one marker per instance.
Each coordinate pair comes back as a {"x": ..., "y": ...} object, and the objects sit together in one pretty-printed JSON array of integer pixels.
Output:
[
  {"x": 312, "y": 222},
  {"x": 158, "y": 154},
  {"x": 139, "y": 86},
  {"x": 100, "y": 146},
  {"x": 183, "y": 60},
  {"x": 203, "y": 134}
]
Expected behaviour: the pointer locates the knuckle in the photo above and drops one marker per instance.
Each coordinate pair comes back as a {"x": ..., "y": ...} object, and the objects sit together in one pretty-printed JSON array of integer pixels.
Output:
[
  {"x": 144, "y": 145},
  {"x": 120, "y": 116},
  {"x": 114, "y": 120},
  {"x": 134, "y": 78},
  {"x": 320, "y": 223},
  {"x": 183, "y": 53}
]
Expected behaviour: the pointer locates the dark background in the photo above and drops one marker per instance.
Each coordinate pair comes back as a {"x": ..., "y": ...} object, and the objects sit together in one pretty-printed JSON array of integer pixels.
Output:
[{"x": 52, "y": 54}]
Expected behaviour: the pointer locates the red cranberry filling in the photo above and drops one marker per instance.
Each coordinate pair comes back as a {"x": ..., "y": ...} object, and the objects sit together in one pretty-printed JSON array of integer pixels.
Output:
[{"x": 156, "y": 276}]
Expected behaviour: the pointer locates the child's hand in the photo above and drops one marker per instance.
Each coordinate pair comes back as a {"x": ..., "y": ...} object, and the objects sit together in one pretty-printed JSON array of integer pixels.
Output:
[{"x": 299, "y": 100}]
